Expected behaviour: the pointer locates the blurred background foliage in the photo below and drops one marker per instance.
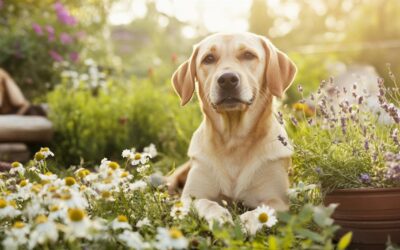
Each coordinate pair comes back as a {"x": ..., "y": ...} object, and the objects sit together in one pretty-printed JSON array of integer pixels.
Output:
[{"x": 137, "y": 44}]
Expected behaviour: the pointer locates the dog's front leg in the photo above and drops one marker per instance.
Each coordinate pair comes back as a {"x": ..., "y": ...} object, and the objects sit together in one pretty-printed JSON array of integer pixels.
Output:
[{"x": 202, "y": 186}]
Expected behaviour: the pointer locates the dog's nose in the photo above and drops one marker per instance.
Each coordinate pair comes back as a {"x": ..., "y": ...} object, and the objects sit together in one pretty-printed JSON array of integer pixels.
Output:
[{"x": 228, "y": 80}]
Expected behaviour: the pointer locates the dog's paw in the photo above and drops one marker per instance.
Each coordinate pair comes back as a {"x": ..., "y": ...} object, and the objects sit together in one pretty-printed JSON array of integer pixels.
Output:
[{"x": 213, "y": 212}]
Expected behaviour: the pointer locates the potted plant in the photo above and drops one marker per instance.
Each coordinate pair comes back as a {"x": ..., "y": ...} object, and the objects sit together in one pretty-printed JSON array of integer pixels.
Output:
[{"x": 352, "y": 151}]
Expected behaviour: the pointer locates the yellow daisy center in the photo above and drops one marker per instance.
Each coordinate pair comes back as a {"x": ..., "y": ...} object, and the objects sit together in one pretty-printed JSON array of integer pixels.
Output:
[
  {"x": 19, "y": 224},
  {"x": 39, "y": 156},
  {"x": 15, "y": 164},
  {"x": 105, "y": 194},
  {"x": 122, "y": 218},
  {"x": 113, "y": 165},
  {"x": 138, "y": 156},
  {"x": 263, "y": 217},
  {"x": 52, "y": 189},
  {"x": 178, "y": 204},
  {"x": 76, "y": 214},
  {"x": 125, "y": 174},
  {"x": 69, "y": 181},
  {"x": 46, "y": 149},
  {"x": 13, "y": 203},
  {"x": 23, "y": 183},
  {"x": 3, "y": 203},
  {"x": 36, "y": 188},
  {"x": 54, "y": 208},
  {"x": 175, "y": 233},
  {"x": 41, "y": 219}
]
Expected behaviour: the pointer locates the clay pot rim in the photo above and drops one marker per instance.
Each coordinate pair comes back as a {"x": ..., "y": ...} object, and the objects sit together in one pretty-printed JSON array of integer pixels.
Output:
[{"x": 364, "y": 190}]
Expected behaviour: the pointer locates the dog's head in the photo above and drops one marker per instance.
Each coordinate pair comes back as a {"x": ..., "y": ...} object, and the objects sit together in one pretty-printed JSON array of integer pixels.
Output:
[{"x": 233, "y": 70}]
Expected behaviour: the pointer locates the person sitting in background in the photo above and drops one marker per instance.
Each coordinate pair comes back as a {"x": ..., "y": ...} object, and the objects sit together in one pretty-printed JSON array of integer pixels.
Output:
[{"x": 12, "y": 101}]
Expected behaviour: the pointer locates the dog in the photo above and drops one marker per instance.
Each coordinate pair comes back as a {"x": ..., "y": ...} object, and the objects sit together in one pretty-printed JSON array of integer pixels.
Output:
[
  {"x": 12, "y": 101},
  {"x": 236, "y": 154}
]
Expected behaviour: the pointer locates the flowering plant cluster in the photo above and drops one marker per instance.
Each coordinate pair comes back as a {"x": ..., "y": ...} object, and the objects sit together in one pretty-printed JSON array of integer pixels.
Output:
[
  {"x": 347, "y": 138},
  {"x": 126, "y": 205}
]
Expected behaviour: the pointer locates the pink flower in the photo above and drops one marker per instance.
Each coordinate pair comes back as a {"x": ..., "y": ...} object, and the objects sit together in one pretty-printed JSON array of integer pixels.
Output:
[
  {"x": 65, "y": 38},
  {"x": 74, "y": 56},
  {"x": 50, "y": 33},
  {"x": 56, "y": 57},
  {"x": 1, "y": 4},
  {"x": 38, "y": 30},
  {"x": 63, "y": 14}
]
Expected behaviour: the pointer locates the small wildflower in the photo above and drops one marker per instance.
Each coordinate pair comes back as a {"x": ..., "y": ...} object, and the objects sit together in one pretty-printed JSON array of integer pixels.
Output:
[
  {"x": 170, "y": 239},
  {"x": 121, "y": 222}
]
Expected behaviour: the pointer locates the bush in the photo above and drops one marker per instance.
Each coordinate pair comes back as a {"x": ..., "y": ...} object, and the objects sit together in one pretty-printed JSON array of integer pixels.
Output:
[{"x": 94, "y": 124}]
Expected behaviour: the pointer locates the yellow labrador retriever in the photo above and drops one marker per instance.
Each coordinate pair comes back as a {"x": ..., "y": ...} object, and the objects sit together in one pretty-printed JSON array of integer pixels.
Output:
[{"x": 235, "y": 154}]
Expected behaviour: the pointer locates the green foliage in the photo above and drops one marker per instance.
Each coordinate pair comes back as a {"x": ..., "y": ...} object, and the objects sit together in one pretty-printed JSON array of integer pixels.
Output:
[{"x": 92, "y": 125}]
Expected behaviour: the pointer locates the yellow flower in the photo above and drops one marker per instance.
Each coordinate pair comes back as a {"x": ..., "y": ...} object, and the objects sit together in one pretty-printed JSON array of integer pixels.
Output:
[
  {"x": 19, "y": 224},
  {"x": 70, "y": 181},
  {"x": 263, "y": 217},
  {"x": 303, "y": 108},
  {"x": 3, "y": 203},
  {"x": 39, "y": 156},
  {"x": 41, "y": 219},
  {"x": 175, "y": 233},
  {"x": 138, "y": 156},
  {"x": 122, "y": 218},
  {"x": 76, "y": 214},
  {"x": 113, "y": 165},
  {"x": 23, "y": 183}
]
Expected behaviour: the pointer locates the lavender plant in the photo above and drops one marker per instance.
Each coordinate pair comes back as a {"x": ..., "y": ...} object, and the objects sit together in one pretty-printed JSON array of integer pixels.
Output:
[{"x": 347, "y": 138}]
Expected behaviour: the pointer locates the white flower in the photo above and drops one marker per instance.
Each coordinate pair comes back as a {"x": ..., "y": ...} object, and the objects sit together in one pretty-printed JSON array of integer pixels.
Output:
[
  {"x": 79, "y": 225},
  {"x": 143, "y": 168},
  {"x": 143, "y": 222},
  {"x": 7, "y": 210},
  {"x": 137, "y": 185},
  {"x": 127, "y": 153},
  {"x": 45, "y": 231},
  {"x": 140, "y": 158},
  {"x": 180, "y": 210},
  {"x": 17, "y": 167},
  {"x": 16, "y": 236},
  {"x": 48, "y": 176},
  {"x": 121, "y": 222},
  {"x": 133, "y": 240},
  {"x": 46, "y": 152},
  {"x": 262, "y": 216},
  {"x": 170, "y": 239},
  {"x": 151, "y": 150}
]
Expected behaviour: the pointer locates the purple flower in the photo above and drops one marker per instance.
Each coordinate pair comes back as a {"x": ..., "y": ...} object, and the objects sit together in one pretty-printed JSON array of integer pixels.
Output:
[
  {"x": 74, "y": 56},
  {"x": 1, "y": 4},
  {"x": 56, "y": 57},
  {"x": 63, "y": 15},
  {"x": 50, "y": 33},
  {"x": 318, "y": 170},
  {"x": 282, "y": 140},
  {"x": 365, "y": 178},
  {"x": 65, "y": 38},
  {"x": 38, "y": 30}
]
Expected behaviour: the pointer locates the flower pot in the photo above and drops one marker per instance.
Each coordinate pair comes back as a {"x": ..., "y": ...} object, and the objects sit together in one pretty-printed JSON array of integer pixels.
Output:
[{"x": 373, "y": 215}]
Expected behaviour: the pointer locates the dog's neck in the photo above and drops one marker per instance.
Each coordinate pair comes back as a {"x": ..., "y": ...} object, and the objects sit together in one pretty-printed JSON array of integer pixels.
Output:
[{"x": 239, "y": 126}]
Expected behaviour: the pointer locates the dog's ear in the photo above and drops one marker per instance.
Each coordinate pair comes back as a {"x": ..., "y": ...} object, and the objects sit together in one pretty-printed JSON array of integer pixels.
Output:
[
  {"x": 184, "y": 78},
  {"x": 279, "y": 69}
]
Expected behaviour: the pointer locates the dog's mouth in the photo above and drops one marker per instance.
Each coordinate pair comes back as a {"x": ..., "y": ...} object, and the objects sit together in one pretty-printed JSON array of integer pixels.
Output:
[{"x": 231, "y": 103}]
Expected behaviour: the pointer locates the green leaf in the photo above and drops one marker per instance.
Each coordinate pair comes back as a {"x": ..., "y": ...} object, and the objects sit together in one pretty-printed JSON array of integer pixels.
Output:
[
  {"x": 306, "y": 233},
  {"x": 345, "y": 241}
]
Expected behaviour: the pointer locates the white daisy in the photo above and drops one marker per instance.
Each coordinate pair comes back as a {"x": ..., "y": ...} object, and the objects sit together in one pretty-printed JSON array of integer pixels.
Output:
[
  {"x": 261, "y": 216},
  {"x": 121, "y": 222},
  {"x": 180, "y": 209},
  {"x": 140, "y": 158},
  {"x": 127, "y": 153},
  {"x": 132, "y": 240},
  {"x": 143, "y": 222},
  {"x": 17, "y": 167},
  {"x": 137, "y": 185},
  {"x": 151, "y": 150},
  {"x": 7, "y": 209},
  {"x": 170, "y": 239},
  {"x": 78, "y": 224},
  {"x": 45, "y": 231}
]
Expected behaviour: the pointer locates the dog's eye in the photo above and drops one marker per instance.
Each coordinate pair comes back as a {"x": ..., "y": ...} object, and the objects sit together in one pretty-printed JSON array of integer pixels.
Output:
[
  {"x": 248, "y": 55},
  {"x": 209, "y": 59}
]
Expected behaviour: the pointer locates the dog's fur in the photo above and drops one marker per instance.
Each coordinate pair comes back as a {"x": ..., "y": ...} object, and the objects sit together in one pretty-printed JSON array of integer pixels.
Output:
[
  {"x": 235, "y": 154},
  {"x": 12, "y": 101}
]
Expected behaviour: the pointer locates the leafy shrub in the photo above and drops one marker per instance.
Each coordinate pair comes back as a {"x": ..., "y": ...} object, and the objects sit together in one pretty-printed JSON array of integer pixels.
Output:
[
  {"x": 343, "y": 144},
  {"x": 102, "y": 123}
]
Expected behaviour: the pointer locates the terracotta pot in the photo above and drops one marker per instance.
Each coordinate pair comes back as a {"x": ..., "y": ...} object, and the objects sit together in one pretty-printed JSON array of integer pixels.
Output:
[{"x": 373, "y": 215}]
